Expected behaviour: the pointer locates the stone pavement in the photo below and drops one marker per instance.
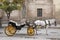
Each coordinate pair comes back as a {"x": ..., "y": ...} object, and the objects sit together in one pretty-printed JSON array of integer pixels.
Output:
[{"x": 51, "y": 33}]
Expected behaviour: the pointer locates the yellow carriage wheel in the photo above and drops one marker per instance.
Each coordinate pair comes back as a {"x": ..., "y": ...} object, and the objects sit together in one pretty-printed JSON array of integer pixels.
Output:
[
  {"x": 30, "y": 31},
  {"x": 10, "y": 30}
]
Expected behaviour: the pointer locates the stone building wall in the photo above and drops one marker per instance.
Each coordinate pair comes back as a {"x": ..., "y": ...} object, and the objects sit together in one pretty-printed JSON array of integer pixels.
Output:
[
  {"x": 57, "y": 10},
  {"x": 46, "y": 5}
]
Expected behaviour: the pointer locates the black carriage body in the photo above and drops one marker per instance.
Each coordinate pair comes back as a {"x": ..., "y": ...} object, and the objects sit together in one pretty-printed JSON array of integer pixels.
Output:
[{"x": 17, "y": 27}]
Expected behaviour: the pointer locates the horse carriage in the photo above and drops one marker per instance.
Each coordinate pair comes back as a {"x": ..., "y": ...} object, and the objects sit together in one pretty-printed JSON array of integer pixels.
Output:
[{"x": 13, "y": 26}]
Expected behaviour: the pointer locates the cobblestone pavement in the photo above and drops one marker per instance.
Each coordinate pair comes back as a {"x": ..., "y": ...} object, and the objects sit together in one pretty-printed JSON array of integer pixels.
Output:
[{"x": 43, "y": 34}]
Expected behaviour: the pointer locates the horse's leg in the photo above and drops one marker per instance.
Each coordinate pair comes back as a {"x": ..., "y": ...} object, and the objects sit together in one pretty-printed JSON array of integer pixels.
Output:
[
  {"x": 45, "y": 24},
  {"x": 55, "y": 23},
  {"x": 49, "y": 23}
]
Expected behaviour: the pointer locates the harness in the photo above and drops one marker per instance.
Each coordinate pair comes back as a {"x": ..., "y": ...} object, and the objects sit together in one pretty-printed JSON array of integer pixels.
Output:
[
  {"x": 45, "y": 23},
  {"x": 49, "y": 23}
]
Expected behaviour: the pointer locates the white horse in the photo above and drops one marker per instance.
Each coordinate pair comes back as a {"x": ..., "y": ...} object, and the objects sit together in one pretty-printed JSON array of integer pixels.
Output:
[
  {"x": 40, "y": 22},
  {"x": 45, "y": 22}
]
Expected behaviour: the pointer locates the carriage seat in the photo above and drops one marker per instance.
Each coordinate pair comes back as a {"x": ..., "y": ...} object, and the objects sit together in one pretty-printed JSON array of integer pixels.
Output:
[{"x": 14, "y": 22}]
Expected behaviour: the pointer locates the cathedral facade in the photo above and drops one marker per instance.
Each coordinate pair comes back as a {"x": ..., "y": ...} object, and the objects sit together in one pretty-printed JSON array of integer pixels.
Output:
[{"x": 39, "y": 8}]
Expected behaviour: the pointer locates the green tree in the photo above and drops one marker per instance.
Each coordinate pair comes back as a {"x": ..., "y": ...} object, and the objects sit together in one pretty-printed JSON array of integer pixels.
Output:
[{"x": 9, "y": 6}]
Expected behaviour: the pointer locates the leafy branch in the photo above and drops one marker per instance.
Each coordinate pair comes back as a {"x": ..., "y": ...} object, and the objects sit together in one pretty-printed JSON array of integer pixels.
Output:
[{"x": 8, "y": 7}]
